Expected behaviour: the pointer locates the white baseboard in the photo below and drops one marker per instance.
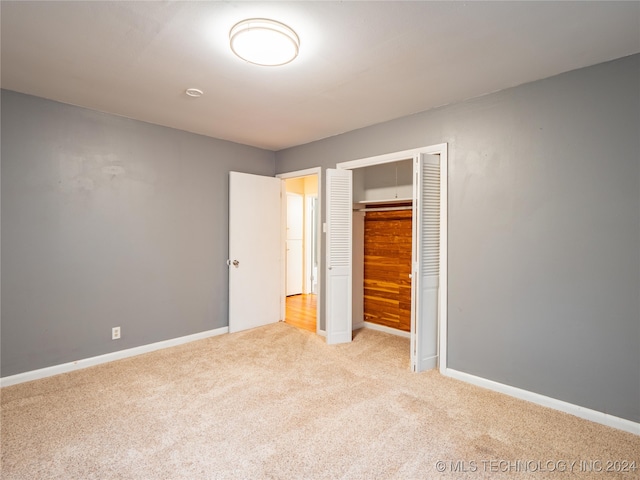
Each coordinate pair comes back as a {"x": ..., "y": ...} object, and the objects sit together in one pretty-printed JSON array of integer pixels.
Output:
[
  {"x": 578, "y": 411},
  {"x": 428, "y": 363},
  {"x": 382, "y": 328},
  {"x": 108, "y": 357}
]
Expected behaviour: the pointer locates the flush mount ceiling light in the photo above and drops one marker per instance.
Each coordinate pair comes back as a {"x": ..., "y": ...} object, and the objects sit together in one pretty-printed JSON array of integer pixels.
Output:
[{"x": 264, "y": 42}]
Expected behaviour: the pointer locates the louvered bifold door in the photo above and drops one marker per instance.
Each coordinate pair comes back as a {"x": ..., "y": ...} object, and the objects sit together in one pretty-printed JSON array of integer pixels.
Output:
[
  {"x": 426, "y": 256},
  {"x": 338, "y": 261}
]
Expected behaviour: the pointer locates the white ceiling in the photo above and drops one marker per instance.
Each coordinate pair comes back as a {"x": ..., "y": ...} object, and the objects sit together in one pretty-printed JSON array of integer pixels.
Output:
[{"x": 360, "y": 63}]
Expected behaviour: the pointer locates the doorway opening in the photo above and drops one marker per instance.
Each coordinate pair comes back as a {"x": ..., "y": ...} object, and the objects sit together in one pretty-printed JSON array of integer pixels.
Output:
[
  {"x": 379, "y": 184},
  {"x": 301, "y": 219},
  {"x": 383, "y": 246}
]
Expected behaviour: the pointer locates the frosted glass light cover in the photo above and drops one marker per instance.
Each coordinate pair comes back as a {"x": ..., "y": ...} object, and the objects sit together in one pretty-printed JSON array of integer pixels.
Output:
[{"x": 264, "y": 42}]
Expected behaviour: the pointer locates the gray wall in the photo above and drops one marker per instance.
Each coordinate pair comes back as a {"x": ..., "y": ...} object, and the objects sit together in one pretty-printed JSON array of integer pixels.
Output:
[
  {"x": 544, "y": 230},
  {"x": 108, "y": 221}
]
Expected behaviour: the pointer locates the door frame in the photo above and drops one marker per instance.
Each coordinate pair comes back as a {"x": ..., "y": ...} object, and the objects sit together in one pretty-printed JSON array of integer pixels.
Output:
[
  {"x": 438, "y": 149},
  {"x": 283, "y": 297},
  {"x": 308, "y": 260}
]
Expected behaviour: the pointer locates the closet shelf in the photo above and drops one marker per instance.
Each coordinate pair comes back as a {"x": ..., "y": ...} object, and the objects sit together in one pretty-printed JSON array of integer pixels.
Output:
[{"x": 390, "y": 201}]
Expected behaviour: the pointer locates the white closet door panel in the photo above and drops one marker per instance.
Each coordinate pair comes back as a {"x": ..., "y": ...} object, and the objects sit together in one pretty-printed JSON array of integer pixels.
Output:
[
  {"x": 426, "y": 258},
  {"x": 339, "y": 262}
]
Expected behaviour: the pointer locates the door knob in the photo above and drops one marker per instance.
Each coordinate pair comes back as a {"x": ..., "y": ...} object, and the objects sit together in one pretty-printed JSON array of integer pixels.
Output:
[{"x": 236, "y": 263}]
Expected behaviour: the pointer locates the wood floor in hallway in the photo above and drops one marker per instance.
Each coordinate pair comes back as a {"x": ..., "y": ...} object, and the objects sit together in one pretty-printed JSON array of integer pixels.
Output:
[{"x": 301, "y": 311}]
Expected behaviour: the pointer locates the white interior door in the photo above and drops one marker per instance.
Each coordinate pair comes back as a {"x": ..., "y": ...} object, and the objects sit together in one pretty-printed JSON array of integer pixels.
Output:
[
  {"x": 339, "y": 262},
  {"x": 295, "y": 225},
  {"x": 254, "y": 250},
  {"x": 426, "y": 262}
]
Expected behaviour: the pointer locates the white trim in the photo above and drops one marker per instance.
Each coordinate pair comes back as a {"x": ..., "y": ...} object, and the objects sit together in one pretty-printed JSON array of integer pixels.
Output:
[
  {"x": 562, "y": 406},
  {"x": 443, "y": 313},
  {"x": 301, "y": 173},
  {"x": 305, "y": 173},
  {"x": 107, "y": 357},
  {"x": 283, "y": 251},
  {"x": 385, "y": 329},
  {"x": 308, "y": 252},
  {"x": 393, "y": 157},
  {"x": 442, "y": 150}
]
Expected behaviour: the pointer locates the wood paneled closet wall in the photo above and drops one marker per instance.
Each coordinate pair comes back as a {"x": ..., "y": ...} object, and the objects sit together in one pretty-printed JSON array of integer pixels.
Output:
[
  {"x": 387, "y": 268},
  {"x": 385, "y": 193}
]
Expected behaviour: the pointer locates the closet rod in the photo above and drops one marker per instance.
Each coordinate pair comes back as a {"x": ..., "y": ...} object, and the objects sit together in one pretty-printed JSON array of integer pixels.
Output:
[{"x": 383, "y": 209}]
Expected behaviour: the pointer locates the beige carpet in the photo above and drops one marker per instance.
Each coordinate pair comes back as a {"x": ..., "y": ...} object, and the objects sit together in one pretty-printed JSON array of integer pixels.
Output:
[{"x": 277, "y": 402}]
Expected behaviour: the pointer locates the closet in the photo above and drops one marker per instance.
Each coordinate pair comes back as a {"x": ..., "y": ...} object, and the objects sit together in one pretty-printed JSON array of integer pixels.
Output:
[
  {"x": 382, "y": 196},
  {"x": 393, "y": 182}
]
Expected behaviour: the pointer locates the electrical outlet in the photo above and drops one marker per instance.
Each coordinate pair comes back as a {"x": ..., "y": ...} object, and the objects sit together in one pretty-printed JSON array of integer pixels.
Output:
[{"x": 115, "y": 333}]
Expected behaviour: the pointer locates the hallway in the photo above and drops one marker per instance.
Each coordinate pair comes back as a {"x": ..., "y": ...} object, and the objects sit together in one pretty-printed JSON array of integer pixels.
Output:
[{"x": 301, "y": 311}]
